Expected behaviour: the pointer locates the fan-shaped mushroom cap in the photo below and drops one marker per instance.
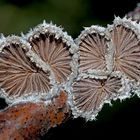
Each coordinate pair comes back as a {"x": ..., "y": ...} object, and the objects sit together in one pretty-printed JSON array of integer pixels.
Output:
[
  {"x": 20, "y": 77},
  {"x": 91, "y": 92},
  {"x": 125, "y": 35},
  {"x": 94, "y": 48},
  {"x": 56, "y": 49}
]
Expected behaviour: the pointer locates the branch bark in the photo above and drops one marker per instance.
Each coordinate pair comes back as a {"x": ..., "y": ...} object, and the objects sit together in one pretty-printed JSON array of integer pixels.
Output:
[{"x": 31, "y": 120}]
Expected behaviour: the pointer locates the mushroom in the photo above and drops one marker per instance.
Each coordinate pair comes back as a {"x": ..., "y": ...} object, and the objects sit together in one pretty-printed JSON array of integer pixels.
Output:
[
  {"x": 56, "y": 49},
  {"x": 19, "y": 76},
  {"x": 94, "y": 48},
  {"x": 91, "y": 92},
  {"x": 125, "y": 37}
]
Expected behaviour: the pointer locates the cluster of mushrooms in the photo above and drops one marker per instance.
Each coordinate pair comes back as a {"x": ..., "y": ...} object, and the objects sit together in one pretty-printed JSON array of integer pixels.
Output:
[{"x": 101, "y": 65}]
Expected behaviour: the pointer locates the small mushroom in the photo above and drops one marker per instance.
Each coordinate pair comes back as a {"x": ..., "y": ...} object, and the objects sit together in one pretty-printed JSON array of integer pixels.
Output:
[
  {"x": 90, "y": 93},
  {"x": 19, "y": 76},
  {"x": 55, "y": 48},
  {"x": 125, "y": 37},
  {"x": 94, "y": 49}
]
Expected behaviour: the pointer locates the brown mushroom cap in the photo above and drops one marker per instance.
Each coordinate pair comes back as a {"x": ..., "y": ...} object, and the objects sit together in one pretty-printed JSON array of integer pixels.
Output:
[
  {"x": 55, "y": 48},
  {"x": 94, "y": 49},
  {"x": 90, "y": 93},
  {"x": 19, "y": 76},
  {"x": 126, "y": 44}
]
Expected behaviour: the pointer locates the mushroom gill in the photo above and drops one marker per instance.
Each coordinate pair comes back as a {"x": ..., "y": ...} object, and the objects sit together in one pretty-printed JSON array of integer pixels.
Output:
[
  {"x": 53, "y": 46},
  {"x": 93, "y": 46},
  {"x": 126, "y": 45},
  {"x": 90, "y": 93},
  {"x": 19, "y": 76}
]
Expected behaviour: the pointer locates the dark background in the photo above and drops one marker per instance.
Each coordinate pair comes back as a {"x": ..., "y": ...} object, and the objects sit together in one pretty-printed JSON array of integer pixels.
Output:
[{"x": 16, "y": 16}]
